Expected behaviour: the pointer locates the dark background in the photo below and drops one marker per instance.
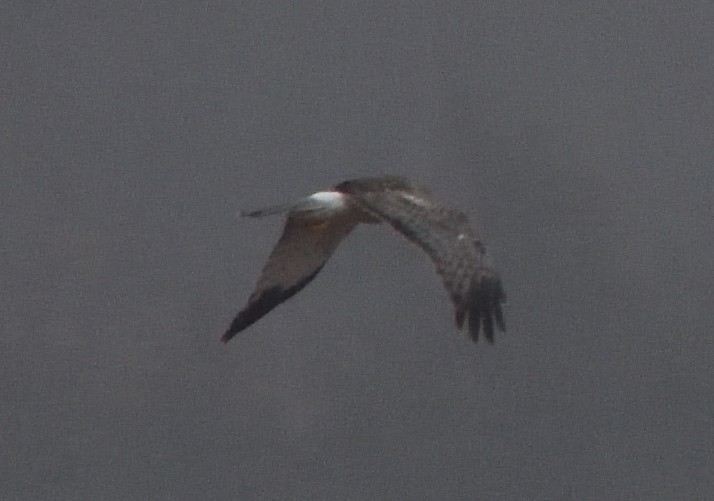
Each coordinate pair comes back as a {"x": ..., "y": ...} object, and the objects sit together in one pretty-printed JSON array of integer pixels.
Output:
[{"x": 577, "y": 135}]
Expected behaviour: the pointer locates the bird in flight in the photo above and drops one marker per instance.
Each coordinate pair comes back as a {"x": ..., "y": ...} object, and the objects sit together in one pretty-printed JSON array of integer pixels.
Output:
[{"x": 317, "y": 224}]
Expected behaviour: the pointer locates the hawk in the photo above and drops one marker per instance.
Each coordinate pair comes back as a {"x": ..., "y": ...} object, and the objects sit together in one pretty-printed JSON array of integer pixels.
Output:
[{"x": 317, "y": 224}]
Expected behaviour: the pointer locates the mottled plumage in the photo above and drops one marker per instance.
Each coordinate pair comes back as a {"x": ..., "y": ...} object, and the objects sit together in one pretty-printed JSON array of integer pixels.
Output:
[{"x": 317, "y": 224}]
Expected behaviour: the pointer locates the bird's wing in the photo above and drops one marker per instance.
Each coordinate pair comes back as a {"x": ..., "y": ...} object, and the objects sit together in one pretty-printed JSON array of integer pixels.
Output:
[
  {"x": 448, "y": 238},
  {"x": 307, "y": 242}
]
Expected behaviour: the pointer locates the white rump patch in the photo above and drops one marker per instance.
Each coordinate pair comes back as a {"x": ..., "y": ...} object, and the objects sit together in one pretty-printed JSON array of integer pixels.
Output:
[
  {"x": 321, "y": 204},
  {"x": 328, "y": 199}
]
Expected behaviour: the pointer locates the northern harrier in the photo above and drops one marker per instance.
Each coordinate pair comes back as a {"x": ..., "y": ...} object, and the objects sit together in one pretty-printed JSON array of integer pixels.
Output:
[{"x": 317, "y": 224}]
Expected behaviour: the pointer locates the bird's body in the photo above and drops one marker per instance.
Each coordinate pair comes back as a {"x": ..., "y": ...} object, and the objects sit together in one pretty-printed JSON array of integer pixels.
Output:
[{"x": 318, "y": 223}]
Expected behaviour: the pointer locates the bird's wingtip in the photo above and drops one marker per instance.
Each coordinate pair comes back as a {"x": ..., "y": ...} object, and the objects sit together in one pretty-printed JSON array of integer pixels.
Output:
[{"x": 485, "y": 311}]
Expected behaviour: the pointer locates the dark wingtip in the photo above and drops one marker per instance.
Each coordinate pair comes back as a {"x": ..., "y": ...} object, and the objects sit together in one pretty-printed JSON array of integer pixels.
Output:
[
  {"x": 251, "y": 314},
  {"x": 485, "y": 308},
  {"x": 227, "y": 336},
  {"x": 460, "y": 315},
  {"x": 256, "y": 309},
  {"x": 259, "y": 306}
]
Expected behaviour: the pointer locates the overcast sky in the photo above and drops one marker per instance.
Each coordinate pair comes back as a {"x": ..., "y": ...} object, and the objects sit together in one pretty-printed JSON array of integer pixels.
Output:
[{"x": 577, "y": 136}]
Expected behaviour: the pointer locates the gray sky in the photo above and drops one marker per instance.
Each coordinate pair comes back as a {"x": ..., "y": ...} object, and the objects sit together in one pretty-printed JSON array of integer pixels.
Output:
[{"x": 579, "y": 139}]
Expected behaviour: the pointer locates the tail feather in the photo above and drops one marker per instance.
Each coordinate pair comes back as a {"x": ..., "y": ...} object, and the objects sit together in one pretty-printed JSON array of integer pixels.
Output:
[
  {"x": 320, "y": 202},
  {"x": 268, "y": 211}
]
